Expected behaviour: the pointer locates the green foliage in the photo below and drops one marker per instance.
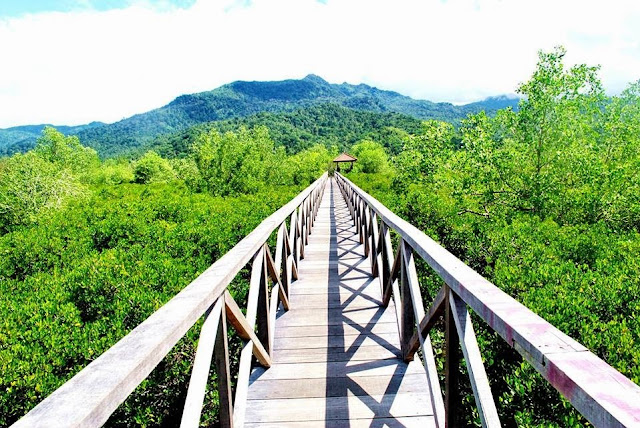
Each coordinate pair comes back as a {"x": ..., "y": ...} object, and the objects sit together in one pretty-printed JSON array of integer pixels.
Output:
[
  {"x": 235, "y": 163},
  {"x": 78, "y": 273},
  {"x": 152, "y": 168},
  {"x": 544, "y": 203},
  {"x": 36, "y": 181},
  {"x": 66, "y": 152},
  {"x": 305, "y": 167},
  {"x": 72, "y": 286},
  {"x": 326, "y": 124},
  {"x": 112, "y": 172},
  {"x": 371, "y": 157}
]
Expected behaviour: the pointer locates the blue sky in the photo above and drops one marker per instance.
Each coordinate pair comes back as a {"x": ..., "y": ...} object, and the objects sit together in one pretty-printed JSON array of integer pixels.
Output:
[
  {"x": 75, "y": 61},
  {"x": 17, "y": 8}
]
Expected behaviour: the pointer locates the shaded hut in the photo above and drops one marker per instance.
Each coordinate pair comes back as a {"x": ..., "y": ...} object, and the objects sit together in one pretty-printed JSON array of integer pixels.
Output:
[{"x": 344, "y": 157}]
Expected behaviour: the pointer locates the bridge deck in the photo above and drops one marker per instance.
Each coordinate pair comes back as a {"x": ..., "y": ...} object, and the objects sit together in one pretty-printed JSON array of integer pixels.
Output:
[{"x": 336, "y": 352}]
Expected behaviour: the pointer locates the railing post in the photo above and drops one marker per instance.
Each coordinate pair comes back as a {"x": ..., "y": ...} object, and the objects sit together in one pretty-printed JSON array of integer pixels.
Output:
[
  {"x": 387, "y": 263},
  {"x": 201, "y": 365},
  {"x": 365, "y": 228},
  {"x": 451, "y": 366},
  {"x": 375, "y": 237},
  {"x": 262, "y": 309},
  {"x": 293, "y": 239},
  {"x": 224, "y": 376},
  {"x": 408, "y": 315}
]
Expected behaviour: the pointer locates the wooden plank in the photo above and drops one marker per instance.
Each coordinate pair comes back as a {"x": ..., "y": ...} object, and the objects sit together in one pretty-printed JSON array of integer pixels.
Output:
[
  {"x": 389, "y": 340},
  {"x": 332, "y": 330},
  {"x": 301, "y": 317},
  {"x": 337, "y": 387},
  {"x": 339, "y": 358},
  {"x": 335, "y": 369},
  {"x": 345, "y": 288},
  {"x": 535, "y": 339},
  {"x": 410, "y": 421},
  {"x": 244, "y": 330},
  {"x": 201, "y": 365},
  {"x": 364, "y": 352},
  {"x": 334, "y": 301},
  {"x": 90, "y": 397},
  {"x": 331, "y": 408},
  {"x": 477, "y": 375}
]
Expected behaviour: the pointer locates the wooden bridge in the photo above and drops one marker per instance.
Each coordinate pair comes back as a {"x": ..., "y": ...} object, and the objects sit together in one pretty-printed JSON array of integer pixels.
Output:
[{"x": 333, "y": 323}]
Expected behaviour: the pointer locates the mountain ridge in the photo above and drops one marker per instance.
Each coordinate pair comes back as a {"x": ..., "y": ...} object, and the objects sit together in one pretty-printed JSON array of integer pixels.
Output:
[{"x": 245, "y": 98}]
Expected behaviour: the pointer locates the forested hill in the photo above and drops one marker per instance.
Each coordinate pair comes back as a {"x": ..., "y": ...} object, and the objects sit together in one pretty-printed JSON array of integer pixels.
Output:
[
  {"x": 326, "y": 124},
  {"x": 23, "y": 138},
  {"x": 242, "y": 99}
]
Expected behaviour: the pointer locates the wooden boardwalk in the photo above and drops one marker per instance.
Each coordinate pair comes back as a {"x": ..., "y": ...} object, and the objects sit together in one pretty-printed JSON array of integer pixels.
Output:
[
  {"x": 336, "y": 351},
  {"x": 333, "y": 358}
]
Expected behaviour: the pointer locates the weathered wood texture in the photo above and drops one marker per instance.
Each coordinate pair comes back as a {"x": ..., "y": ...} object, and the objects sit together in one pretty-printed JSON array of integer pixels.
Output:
[
  {"x": 603, "y": 395},
  {"x": 89, "y": 398},
  {"x": 336, "y": 355}
]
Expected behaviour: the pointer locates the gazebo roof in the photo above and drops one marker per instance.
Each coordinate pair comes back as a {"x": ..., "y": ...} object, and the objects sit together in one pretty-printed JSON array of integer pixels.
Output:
[{"x": 344, "y": 157}]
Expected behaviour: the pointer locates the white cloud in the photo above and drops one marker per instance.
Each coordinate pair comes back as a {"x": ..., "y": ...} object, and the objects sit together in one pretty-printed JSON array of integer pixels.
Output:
[{"x": 70, "y": 68}]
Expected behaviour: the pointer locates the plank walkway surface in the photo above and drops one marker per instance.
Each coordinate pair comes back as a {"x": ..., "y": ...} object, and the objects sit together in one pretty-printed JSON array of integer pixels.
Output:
[{"x": 336, "y": 351}]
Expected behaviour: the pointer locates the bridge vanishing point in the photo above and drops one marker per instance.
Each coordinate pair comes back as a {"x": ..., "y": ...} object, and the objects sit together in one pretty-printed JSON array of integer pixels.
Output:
[{"x": 333, "y": 324}]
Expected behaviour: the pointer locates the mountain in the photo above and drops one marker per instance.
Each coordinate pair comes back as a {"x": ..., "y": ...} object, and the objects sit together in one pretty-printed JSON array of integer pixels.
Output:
[
  {"x": 242, "y": 99},
  {"x": 23, "y": 138},
  {"x": 493, "y": 104}
]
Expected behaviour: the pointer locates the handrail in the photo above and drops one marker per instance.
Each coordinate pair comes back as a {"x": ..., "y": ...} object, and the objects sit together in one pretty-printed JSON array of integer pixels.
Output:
[
  {"x": 89, "y": 398},
  {"x": 603, "y": 395}
]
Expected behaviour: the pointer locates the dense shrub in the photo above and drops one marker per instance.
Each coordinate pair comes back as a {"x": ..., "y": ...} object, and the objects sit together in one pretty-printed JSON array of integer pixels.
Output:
[{"x": 544, "y": 203}]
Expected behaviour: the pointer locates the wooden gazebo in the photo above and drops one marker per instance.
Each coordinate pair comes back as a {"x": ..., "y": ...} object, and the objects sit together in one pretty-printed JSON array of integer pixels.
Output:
[{"x": 344, "y": 157}]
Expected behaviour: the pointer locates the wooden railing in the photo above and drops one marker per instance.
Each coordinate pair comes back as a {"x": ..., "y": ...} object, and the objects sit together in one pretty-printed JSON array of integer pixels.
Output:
[
  {"x": 90, "y": 397},
  {"x": 603, "y": 395}
]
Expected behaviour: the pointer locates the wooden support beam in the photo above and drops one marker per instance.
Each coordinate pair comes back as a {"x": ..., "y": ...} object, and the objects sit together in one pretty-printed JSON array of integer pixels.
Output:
[
  {"x": 477, "y": 375},
  {"x": 239, "y": 323},
  {"x": 393, "y": 274},
  {"x": 274, "y": 277},
  {"x": 436, "y": 310}
]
